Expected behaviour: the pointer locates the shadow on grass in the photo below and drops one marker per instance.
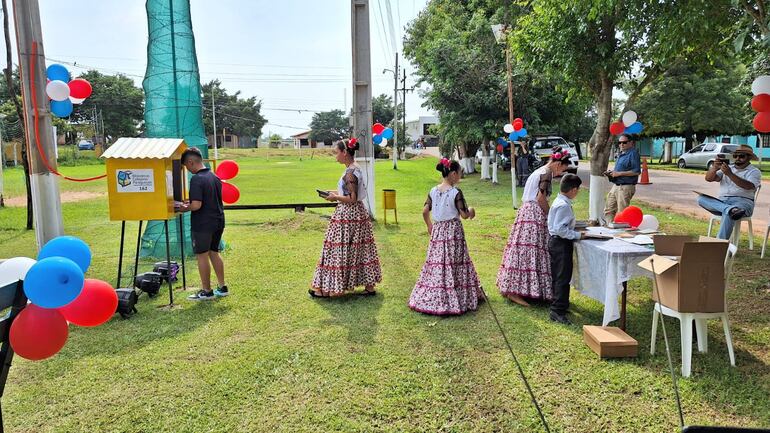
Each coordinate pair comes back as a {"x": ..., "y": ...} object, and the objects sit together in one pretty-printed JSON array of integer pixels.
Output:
[
  {"x": 357, "y": 314},
  {"x": 151, "y": 323}
]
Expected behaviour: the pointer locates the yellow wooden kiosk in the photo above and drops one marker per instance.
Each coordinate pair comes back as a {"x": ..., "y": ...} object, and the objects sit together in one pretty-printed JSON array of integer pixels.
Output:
[{"x": 145, "y": 178}]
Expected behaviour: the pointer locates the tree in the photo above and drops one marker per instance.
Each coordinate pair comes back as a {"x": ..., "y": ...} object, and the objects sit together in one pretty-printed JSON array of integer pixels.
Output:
[
  {"x": 382, "y": 109},
  {"x": 115, "y": 101},
  {"x": 693, "y": 101},
  {"x": 238, "y": 116},
  {"x": 593, "y": 46},
  {"x": 329, "y": 126}
]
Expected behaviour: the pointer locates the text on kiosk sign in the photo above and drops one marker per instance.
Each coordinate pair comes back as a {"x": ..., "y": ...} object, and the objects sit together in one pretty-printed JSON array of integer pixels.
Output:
[{"x": 135, "y": 180}]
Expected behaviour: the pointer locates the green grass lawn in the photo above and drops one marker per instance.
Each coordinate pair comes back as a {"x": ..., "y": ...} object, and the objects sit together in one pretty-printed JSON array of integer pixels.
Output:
[{"x": 270, "y": 359}]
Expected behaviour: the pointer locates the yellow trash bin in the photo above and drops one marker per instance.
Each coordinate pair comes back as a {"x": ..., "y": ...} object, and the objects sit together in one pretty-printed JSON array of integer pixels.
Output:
[{"x": 389, "y": 202}]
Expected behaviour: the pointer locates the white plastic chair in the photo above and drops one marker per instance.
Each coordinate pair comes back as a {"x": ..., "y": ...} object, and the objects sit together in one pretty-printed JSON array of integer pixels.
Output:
[
  {"x": 686, "y": 320},
  {"x": 736, "y": 236}
]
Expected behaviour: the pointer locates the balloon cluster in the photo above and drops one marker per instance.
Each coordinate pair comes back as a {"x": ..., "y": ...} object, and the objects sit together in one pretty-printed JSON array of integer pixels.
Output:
[
  {"x": 227, "y": 170},
  {"x": 381, "y": 134},
  {"x": 627, "y": 125},
  {"x": 63, "y": 91},
  {"x": 761, "y": 103},
  {"x": 634, "y": 217},
  {"x": 56, "y": 286},
  {"x": 502, "y": 143},
  {"x": 515, "y": 130}
]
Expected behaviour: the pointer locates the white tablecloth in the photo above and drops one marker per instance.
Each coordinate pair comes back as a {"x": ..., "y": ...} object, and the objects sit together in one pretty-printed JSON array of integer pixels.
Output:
[{"x": 603, "y": 266}]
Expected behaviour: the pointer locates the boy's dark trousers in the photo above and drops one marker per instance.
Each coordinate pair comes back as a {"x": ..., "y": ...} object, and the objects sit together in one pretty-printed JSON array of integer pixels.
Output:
[{"x": 561, "y": 272}]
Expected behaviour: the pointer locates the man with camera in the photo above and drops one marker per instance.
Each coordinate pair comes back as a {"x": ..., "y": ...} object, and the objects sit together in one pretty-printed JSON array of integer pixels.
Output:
[
  {"x": 737, "y": 185},
  {"x": 628, "y": 167}
]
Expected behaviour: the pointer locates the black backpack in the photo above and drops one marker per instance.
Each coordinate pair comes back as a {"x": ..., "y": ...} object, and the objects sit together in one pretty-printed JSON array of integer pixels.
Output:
[{"x": 126, "y": 302}]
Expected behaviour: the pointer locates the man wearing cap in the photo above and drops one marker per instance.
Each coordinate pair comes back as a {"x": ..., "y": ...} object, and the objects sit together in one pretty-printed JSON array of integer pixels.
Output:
[{"x": 737, "y": 185}]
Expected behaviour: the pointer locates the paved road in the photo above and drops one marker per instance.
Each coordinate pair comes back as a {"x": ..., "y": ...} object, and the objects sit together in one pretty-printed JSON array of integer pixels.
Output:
[{"x": 673, "y": 190}]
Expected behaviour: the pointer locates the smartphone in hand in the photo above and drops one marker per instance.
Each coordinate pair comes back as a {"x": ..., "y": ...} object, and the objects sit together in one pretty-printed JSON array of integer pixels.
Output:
[{"x": 322, "y": 194}]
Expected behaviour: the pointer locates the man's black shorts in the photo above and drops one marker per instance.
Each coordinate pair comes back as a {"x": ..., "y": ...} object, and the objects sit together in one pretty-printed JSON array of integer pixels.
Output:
[{"x": 204, "y": 242}]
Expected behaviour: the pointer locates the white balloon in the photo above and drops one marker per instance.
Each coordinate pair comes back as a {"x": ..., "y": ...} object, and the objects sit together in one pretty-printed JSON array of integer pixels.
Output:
[
  {"x": 761, "y": 85},
  {"x": 57, "y": 90},
  {"x": 75, "y": 100},
  {"x": 15, "y": 269},
  {"x": 629, "y": 118},
  {"x": 384, "y": 142},
  {"x": 649, "y": 222},
  {"x": 508, "y": 128}
]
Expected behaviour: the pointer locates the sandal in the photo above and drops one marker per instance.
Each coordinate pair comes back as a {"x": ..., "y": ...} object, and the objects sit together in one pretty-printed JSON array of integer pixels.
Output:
[
  {"x": 313, "y": 294},
  {"x": 737, "y": 213}
]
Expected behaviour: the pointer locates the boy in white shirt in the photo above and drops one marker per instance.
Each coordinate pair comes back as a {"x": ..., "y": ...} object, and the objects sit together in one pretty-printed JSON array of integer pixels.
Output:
[{"x": 561, "y": 227}]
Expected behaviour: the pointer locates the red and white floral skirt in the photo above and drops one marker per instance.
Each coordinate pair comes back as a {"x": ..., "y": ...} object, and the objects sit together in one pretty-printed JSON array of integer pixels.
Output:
[
  {"x": 448, "y": 283},
  {"x": 349, "y": 255},
  {"x": 526, "y": 266}
]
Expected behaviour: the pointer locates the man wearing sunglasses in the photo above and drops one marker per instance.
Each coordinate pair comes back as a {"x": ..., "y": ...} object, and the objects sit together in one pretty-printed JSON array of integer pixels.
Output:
[
  {"x": 624, "y": 177},
  {"x": 737, "y": 184}
]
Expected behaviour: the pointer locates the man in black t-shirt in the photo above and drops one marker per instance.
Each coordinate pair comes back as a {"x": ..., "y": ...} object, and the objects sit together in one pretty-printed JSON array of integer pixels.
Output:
[{"x": 207, "y": 223}]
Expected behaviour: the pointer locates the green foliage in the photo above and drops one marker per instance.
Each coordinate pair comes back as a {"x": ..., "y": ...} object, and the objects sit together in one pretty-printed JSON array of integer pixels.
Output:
[
  {"x": 237, "y": 115},
  {"x": 275, "y": 138},
  {"x": 383, "y": 110},
  {"x": 329, "y": 126},
  {"x": 119, "y": 101},
  {"x": 691, "y": 100}
]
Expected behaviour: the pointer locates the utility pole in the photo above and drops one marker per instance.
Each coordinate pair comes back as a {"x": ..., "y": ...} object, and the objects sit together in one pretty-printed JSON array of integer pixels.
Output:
[
  {"x": 214, "y": 118},
  {"x": 44, "y": 183},
  {"x": 395, "y": 115},
  {"x": 403, "y": 101},
  {"x": 362, "y": 95}
]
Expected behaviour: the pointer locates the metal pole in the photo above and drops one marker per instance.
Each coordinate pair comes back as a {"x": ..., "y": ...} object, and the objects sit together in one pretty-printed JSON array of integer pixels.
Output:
[
  {"x": 2, "y": 166},
  {"x": 214, "y": 115},
  {"x": 403, "y": 101},
  {"x": 168, "y": 266},
  {"x": 181, "y": 242},
  {"x": 395, "y": 116},
  {"x": 136, "y": 256},
  {"x": 362, "y": 95},
  {"x": 510, "y": 120},
  {"x": 44, "y": 184},
  {"x": 120, "y": 256}
]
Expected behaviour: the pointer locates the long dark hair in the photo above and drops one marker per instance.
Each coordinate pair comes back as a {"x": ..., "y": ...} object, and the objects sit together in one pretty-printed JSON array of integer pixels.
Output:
[
  {"x": 348, "y": 147},
  {"x": 446, "y": 166}
]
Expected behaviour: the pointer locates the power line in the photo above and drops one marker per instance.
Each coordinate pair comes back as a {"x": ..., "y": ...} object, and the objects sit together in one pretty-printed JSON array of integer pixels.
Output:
[{"x": 390, "y": 24}]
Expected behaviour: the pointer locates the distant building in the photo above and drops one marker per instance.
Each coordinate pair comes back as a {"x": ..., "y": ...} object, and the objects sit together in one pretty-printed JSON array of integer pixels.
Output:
[
  {"x": 420, "y": 128},
  {"x": 303, "y": 140}
]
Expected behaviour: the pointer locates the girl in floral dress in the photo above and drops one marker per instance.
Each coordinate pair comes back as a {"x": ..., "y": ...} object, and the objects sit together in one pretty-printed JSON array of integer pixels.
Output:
[
  {"x": 448, "y": 283},
  {"x": 525, "y": 271},
  {"x": 349, "y": 254}
]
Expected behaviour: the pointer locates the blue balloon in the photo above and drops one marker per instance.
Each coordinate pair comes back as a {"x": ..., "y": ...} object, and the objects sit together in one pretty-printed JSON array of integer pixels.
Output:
[
  {"x": 68, "y": 247},
  {"x": 522, "y": 132},
  {"x": 61, "y": 108},
  {"x": 53, "y": 282},
  {"x": 387, "y": 133},
  {"x": 377, "y": 139},
  {"x": 635, "y": 128},
  {"x": 513, "y": 136},
  {"x": 501, "y": 141},
  {"x": 58, "y": 72}
]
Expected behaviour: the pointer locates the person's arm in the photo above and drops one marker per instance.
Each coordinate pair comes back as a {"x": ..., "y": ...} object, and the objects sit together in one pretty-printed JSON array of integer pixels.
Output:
[
  {"x": 426, "y": 213},
  {"x": 352, "y": 184},
  {"x": 462, "y": 206},
  {"x": 713, "y": 174},
  {"x": 194, "y": 205},
  {"x": 739, "y": 181},
  {"x": 542, "y": 193},
  {"x": 195, "y": 195},
  {"x": 562, "y": 218}
]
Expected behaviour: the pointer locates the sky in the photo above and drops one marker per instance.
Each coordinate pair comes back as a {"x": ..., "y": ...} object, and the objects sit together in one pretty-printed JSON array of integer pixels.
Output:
[{"x": 291, "y": 54}]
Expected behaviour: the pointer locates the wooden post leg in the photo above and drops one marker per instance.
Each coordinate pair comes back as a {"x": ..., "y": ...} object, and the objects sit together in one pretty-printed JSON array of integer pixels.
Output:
[{"x": 623, "y": 302}]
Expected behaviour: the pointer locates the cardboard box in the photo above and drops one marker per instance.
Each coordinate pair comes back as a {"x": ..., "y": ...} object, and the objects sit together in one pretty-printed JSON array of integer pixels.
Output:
[
  {"x": 609, "y": 341},
  {"x": 691, "y": 281}
]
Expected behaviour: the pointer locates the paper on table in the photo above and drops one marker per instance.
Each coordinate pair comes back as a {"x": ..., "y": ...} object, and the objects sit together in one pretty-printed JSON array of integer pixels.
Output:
[
  {"x": 602, "y": 231},
  {"x": 639, "y": 240},
  {"x": 647, "y": 231}
]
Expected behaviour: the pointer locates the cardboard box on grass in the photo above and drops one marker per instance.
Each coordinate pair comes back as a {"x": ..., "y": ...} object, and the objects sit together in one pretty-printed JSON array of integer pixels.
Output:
[
  {"x": 609, "y": 341},
  {"x": 690, "y": 274}
]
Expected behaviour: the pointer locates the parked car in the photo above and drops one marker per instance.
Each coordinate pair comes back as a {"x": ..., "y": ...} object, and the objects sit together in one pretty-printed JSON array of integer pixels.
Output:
[
  {"x": 703, "y": 156},
  {"x": 542, "y": 146},
  {"x": 86, "y": 145}
]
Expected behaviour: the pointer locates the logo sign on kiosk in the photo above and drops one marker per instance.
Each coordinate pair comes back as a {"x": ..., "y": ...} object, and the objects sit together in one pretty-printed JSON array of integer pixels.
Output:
[{"x": 144, "y": 178}]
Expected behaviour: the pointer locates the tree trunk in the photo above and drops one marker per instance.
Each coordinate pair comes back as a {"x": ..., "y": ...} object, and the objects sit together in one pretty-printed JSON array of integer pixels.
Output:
[
  {"x": 600, "y": 150},
  {"x": 485, "y": 160},
  {"x": 19, "y": 112}
]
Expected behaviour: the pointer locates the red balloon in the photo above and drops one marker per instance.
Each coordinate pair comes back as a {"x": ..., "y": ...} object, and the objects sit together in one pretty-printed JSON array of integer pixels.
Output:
[
  {"x": 632, "y": 215},
  {"x": 617, "y": 128},
  {"x": 621, "y": 217},
  {"x": 518, "y": 124},
  {"x": 95, "y": 305},
  {"x": 761, "y": 102},
  {"x": 227, "y": 169},
  {"x": 499, "y": 148},
  {"x": 762, "y": 122},
  {"x": 80, "y": 88},
  {"x": 38, "y": 333},
  {"x": 230, "y": 193},
  {"x": 378, "y": 128}
]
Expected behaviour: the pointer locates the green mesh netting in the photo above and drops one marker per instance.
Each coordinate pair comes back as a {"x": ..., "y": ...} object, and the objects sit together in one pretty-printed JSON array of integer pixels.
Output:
[{"x": 172, "y": 95}]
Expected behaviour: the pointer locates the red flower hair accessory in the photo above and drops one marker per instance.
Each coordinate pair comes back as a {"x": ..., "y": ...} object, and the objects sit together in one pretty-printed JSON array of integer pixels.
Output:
[
  {"x": 445, "y": 162},
  {"x": 557, "y": 156},
  {"x": 352, "y": 143}
]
